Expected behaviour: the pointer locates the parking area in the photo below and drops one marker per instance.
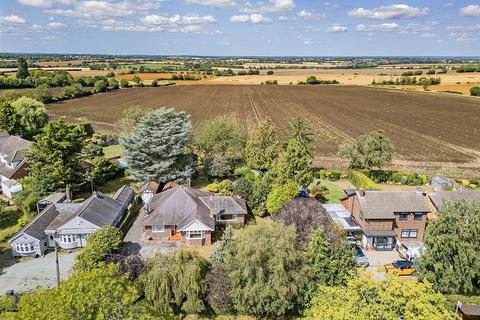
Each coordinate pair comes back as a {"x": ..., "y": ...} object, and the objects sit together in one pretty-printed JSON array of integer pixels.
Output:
[
  {"x": 378, "y": 259},
  {"x": 33, "y": 272},
  {"x": 135, "y": 242}
]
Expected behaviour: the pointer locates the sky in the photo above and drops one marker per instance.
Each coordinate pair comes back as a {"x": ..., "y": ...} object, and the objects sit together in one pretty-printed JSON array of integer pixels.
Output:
[{"x": 242, "y": 27}]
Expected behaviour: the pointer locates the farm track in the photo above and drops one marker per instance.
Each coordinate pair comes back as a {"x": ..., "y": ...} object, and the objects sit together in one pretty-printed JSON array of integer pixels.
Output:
[{"x": 425, "y": 128}]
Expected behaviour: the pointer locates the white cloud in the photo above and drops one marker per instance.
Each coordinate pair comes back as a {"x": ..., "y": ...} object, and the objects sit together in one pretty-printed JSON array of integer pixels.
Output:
[
  {"x": 396, "y": 11},
  {"x": 286, "y": 18},
  {"x": 36, "y": 27},
  {"x": 271, "y": 6},
  {"x": 466, "y": 28},
  {"x": 213, "y": 3},
  {"x": 310, "y": 15},
  {"x": 44, "y": 3},
  {"x": 37, "y": 3},
  {"x": 106, "y": 9},
  {"x": 337, "y": 28},
  {"x": 13, "y": 19},
  {"x": 330, "y": 5},
  {"x": 470, "y": 11},
  {"x": 255, "y": 18},
  {"x": 377, "y": 27},
  {"x": 51, "y": 38},
  {"x": 177, "y": 20},
  {"x": 56, "y": 25}
]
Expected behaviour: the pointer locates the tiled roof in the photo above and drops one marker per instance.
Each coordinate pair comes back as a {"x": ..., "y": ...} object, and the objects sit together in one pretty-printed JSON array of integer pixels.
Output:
[
  {"x": 438, "y": 198},
  {"x": 178, "y": 206},
  {"x": 384, "y": 204}
]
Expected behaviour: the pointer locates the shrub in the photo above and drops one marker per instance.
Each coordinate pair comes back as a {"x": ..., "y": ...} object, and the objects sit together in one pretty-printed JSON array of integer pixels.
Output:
[
  {"x": 154, "y": 83},
  {"x": 280, "y": 195},
  {"x": 100, "y": 245},
  {"x": 334, "y": 175},
  {"x": 475, "y": 91},
  {"x": 123, "y": 83},
  {"x": 360, "y": 180},
  {"x": 225, "y": 187},
  {"x": 7, "y": 304},
  {"x": 100, "y": 86},
  {"x": 270, "y": 72},
  {"x": 213, "y": 187}
]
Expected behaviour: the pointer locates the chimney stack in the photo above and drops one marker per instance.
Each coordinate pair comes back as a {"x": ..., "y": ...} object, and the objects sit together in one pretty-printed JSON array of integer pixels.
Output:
[
  {"x": 68, "y": 194},
  {"x": 361, "y": 192}
]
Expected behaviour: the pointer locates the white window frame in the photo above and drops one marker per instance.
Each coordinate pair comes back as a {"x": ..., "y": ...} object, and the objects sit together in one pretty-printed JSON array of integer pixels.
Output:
[
  {"x": 68, "y": 238},
  {"x": 25, "y": 247},
  {"x": 190, "y": 233},
  {"x": 158, "y": 228}
]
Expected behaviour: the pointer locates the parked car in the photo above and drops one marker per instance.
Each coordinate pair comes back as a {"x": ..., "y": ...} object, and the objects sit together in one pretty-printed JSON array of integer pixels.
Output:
[
  {"x": 360, "y": 259},
  {"x": 400, "y": 267},
  {"x": 351, "y": 240}
]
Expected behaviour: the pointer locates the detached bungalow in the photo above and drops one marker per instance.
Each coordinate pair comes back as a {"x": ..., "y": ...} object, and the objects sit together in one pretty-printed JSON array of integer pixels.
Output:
[
  {"x": 13, "y": 164},
  {"x": 70, "y": 224},
  {"x": 190, "y": 215},
  {"x": 388, "y": 216},
  {"x": 439, "y": 198}
]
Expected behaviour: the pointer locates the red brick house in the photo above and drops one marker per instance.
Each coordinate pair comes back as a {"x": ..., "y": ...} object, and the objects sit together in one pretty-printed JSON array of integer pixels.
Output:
[
  {"x": 388, "y": 216},
  {"x": 190, "y": 215}
]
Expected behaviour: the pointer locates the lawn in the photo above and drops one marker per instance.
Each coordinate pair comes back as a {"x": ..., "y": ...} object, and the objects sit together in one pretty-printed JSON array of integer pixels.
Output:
[
  {"x": 113, "y": 151},
  {"x": 113, "y": 185},
  {"x": 335, "y": 193}
]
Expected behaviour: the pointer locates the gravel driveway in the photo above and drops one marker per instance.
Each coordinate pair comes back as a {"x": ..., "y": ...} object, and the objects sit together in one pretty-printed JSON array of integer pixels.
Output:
[{"x": 27, "y": 275}]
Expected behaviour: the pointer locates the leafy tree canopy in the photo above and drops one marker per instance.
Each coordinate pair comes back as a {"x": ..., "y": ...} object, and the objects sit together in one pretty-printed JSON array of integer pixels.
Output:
[
  {"x": 262, "y": 146},
  {"x": 55, "y": 156},
  {"x": 451, "y": 260},
  {"x": 221, "y": 141},
  {"x": 299, "y": 130},
  {"x": 100, "y": 293},
  {"x": 176, "y": 281},
  {"x": 131, "y": 116},
  {"x": 372, "y": 150},
  {"x": 281, "y": 195},
  {"x": 365, "y": 298},
  {"x": 30, "y": 115},
  {"x": 266, "y": 269},
  {"x": 294, "y": 164},
  {"x": 100, "y": 245},
  {"x": 22, "y": 69},
  {"x": 156, "y": 148}
]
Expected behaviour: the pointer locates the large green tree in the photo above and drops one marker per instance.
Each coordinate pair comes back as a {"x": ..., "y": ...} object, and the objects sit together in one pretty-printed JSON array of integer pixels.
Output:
[
  {"x": 131, "y": 116},
  {"x": 221, "y": 141},
  {"x": 176, "y": 281},
  {"x": 451, "y": 260},
  {"x": 294, "y": 164},
  {"x": 372, "y": 150},
  {"x": 22, "y": 68},
  {"x": 262, "y": 146},
  {"x": 299, "y": 130},
  {"x": 280, "y": 195},
  {"x": 157, "y": 147},
  {"x": 100, "y": 293},
  {"x": 365, "y": 298},
  {"x": 31, "y": 116},
  {"x": 331, "y": 259},
  {"x": 266, "y": 269},
  {"x": 55, "y": 156}
]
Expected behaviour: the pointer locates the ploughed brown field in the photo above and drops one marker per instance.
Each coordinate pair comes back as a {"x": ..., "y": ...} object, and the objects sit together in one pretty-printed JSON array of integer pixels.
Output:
[{"x": 425, "y": 127}]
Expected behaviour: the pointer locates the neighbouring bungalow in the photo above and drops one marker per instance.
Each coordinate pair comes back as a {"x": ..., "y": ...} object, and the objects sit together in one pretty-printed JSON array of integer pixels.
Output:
[
  {"x": 388, "y": 216},
  {"x": 70, "y": 224},
  {"x": 468, "y": 311},
  {"x": 13, "y": 164},
  {"x": 439, "y": 198},
  {"x": 190, "y": 215}
]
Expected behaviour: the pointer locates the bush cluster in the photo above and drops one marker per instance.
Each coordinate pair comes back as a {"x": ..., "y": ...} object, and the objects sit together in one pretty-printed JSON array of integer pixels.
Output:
[
  {"x": 398, "y": 177},
  {"x": 359, "y": 180}
]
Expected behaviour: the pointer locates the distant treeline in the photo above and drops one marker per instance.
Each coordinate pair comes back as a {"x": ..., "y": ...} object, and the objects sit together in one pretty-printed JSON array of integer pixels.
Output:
[
  {"x": 470, "y": 68},
  {"x": 422, "y": 81}
]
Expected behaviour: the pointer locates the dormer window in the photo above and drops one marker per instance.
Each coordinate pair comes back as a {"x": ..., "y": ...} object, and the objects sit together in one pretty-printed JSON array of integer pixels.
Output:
[{"x": 403, "y": 216}]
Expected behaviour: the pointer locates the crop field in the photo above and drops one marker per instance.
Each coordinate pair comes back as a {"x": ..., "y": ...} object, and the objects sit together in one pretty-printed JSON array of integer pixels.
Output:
[{"x": 425, "y": 127}]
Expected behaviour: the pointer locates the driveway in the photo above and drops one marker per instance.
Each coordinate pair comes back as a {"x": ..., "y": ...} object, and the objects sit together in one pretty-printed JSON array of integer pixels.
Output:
[
  {"x": 135, "y": 242},
  {"x": 27, "y": 275},
  {"x": 378, "y": 259}
]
